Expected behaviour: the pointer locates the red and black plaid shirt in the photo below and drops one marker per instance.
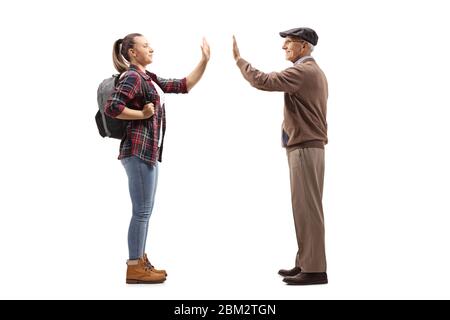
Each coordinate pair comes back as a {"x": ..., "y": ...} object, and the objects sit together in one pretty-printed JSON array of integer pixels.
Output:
[{"x": 142, "y": 136}]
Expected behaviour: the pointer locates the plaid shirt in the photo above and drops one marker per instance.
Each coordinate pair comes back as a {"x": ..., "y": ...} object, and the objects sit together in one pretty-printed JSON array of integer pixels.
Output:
[{"x": 142, "y": 136}]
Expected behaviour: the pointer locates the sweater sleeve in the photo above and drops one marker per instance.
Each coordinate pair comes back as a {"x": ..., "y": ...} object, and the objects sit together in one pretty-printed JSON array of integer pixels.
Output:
[{"x": 288, "y": 80}]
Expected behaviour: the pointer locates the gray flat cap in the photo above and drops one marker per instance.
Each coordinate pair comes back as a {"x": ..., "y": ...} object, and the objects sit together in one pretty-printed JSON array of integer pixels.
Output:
[{"x": 306, "y": 34}]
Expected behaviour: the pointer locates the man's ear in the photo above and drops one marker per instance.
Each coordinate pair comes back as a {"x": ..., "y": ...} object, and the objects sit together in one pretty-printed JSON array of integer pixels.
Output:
[{"x": 304, "y": 46}]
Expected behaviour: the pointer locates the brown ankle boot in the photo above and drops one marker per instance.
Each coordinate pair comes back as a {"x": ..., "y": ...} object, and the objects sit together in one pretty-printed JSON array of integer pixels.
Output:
[
  {"x": 152, "y": 267},
  {"x": 141, "y": 273}
]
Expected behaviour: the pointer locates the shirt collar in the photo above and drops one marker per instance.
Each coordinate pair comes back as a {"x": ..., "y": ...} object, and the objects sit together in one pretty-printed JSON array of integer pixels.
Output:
[
  {"x": 302, "y": 59},
  {"x": 145, "y": 75}
]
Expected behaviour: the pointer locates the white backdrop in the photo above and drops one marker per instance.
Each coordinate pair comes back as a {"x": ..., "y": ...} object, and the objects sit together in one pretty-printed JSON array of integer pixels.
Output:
[{"x": 222, "y": 225}]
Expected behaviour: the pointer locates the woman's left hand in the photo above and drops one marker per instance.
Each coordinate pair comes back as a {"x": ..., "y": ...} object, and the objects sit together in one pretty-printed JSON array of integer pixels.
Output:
[{"x": 205, "y": 50}]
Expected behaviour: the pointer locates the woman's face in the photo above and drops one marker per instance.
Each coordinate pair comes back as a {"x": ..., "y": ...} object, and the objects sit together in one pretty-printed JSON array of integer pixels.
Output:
[{"x": 141, "y": 52}]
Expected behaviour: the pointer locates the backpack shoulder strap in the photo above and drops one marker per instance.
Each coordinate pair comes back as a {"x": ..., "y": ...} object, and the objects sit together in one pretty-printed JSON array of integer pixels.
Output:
[{"x": 145, "y": 90}]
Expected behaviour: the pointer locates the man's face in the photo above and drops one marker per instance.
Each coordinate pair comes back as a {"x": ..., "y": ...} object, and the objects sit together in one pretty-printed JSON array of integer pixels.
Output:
[{"x": 294, "y": 48}]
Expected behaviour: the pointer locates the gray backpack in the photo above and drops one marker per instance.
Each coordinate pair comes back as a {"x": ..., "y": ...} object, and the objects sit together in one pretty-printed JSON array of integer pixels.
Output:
[{"x": 107, "y": 126}]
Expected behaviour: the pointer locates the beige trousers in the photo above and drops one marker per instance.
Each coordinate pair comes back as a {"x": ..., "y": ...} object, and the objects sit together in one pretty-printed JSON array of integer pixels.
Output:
[{"x": 307, "y": 168}]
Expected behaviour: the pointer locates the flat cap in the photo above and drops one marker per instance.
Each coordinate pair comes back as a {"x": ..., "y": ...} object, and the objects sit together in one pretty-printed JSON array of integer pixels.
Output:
[{"x": 306, "y": 34}]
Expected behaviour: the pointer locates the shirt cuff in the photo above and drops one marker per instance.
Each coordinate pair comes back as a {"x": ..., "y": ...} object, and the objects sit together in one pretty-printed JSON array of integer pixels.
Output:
[{"x": 184, "y": 85}]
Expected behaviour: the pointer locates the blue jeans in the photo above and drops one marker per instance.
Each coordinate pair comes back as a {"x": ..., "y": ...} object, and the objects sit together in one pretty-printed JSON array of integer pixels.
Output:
[{"x": 142, "y": 181}]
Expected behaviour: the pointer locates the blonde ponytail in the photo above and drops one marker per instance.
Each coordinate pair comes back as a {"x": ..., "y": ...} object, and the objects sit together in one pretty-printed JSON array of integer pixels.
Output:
[
  {"x": 119, "y": 62},
  {"x": 121, "y": 59}
]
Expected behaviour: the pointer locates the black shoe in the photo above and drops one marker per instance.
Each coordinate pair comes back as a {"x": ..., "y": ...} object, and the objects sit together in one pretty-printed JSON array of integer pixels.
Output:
[
  {"x": 304, "y": 279},
  {"x": 289, "y": 273}
]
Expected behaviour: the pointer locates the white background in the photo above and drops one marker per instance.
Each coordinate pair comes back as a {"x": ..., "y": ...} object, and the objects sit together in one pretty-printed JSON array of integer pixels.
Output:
[{"x": 222, "y": 225}]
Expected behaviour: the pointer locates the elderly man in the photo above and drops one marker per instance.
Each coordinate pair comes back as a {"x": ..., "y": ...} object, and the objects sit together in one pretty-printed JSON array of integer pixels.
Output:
[{"x": 304, "y": 135}]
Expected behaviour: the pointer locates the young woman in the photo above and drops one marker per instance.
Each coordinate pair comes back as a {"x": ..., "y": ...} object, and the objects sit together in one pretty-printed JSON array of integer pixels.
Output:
[{"x": 139, "y": 98}]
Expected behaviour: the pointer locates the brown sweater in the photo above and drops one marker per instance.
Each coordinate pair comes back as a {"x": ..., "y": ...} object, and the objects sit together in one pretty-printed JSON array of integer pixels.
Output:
[{"x": 305, "y": 90}]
